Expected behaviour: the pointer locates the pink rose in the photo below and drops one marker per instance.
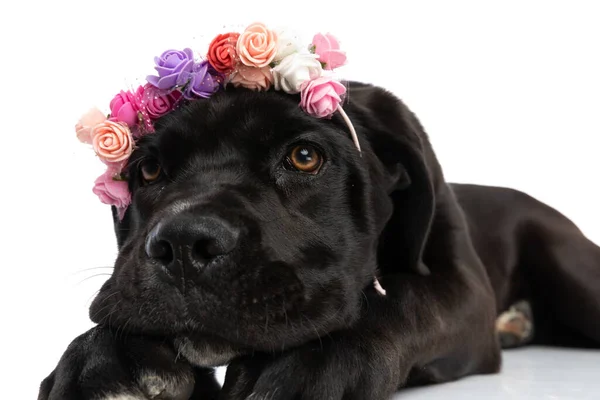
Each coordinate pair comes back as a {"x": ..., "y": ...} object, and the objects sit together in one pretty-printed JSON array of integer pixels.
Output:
[
  {"x": 83, "y": 128},
  {"x": 156, "y": 102},
  {"x": 320, "y": 97},
  {"x": 252, "y": 78},
  {"x": 257, "y": 46},
  {"x": 328, "y": 49},
  {"x": 123, "y": 108},
  {"x": 112, "y": 141},
  {"x": 113, "y": 191}
]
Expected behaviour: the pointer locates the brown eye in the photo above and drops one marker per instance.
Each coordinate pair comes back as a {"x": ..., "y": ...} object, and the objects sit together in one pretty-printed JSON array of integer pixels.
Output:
[
  {"x": 150, "y": 171},
  {"x": 304, "y": 158}
]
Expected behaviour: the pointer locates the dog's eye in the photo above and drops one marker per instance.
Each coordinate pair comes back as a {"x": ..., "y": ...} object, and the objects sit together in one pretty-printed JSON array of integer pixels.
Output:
[
  {"x": 304, "y": 158},
  {"x": 150, "y": 171}
]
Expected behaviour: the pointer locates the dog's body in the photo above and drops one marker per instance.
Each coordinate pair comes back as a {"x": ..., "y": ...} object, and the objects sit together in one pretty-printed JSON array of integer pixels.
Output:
[
  {"x": 532, "y": 252},
  {"x": 236, "y": 258}
]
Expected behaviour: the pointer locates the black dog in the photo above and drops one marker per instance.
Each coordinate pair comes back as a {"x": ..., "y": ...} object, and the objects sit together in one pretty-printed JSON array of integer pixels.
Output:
[{"x": 253, "y": 240}]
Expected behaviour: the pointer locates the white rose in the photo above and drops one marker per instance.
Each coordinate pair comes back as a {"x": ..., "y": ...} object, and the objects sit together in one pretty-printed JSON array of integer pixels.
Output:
[
  {"x": 294, "y": 70},
  {"x": 286, "y": 45}
]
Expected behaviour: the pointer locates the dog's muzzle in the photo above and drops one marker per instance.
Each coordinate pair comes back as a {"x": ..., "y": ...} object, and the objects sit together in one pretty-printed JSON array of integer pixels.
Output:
[{"x": 185, "y": 244}]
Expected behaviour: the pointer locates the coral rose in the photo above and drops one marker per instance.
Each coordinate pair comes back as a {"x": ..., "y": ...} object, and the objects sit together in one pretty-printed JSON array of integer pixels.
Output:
[
  {"x": 252, "y": 78},
  {"x": 222, "y": 52},
  {"x": 112, "y": 141},
  {"x": 257, "y": 46}
]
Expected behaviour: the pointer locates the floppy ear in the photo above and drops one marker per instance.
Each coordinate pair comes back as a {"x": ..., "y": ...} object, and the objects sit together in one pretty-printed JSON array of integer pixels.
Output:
[{"x": 400, "y": 144}]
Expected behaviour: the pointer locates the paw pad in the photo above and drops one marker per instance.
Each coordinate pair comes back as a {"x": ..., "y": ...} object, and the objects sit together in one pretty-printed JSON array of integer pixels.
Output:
[
  {"x": 172, "y": 388},
  {"x": 515, "y": 326}
]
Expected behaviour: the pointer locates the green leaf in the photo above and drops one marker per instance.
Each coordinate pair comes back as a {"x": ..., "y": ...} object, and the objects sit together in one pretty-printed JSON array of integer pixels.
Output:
[{"x": 120, "y": 178}]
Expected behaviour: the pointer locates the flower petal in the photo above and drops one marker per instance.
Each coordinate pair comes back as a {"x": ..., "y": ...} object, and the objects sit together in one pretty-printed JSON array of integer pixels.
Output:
[
  {"x": 153, "y": 80},
  {"x": 167, "y": 82},
  {"x": 333, "y": 42},
  {"x": 334, "y": 59},
  {"x": 128, "y": 114},
  {"x": 320, "y": 42}
]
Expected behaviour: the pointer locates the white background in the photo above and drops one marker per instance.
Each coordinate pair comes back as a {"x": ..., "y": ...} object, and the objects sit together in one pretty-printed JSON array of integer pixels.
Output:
[{"x": 509, "y": 92}]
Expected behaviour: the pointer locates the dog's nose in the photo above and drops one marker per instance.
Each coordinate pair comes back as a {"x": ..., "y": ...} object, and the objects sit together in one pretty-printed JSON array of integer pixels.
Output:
[{"x": 190, "y": 241}]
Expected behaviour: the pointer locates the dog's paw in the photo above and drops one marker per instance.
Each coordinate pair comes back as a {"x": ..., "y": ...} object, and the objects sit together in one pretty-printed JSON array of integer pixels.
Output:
[
  {"x": 103, "y": 385},
  {"x": 157, "y": 386},
  {"x": 151, "y": 386},
  {"x": 515, "y": 326},
  {"x": 100, "y": 365},
  {"x": 324, "y": 370}
]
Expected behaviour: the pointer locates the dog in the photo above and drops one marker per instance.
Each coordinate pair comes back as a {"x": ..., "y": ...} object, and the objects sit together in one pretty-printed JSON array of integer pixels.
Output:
[{"x": 260, "y": 238}]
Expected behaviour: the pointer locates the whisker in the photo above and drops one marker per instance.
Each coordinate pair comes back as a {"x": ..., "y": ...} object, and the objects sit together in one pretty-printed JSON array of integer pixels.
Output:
[
  {"x": 366, "y": 298},
  {"x": 105, "y": 306},
  {"x": 123, "y": 329},
  {"x": 92, "y": 276},
  {"x": 266, "y": 318},
  {"x": 314, "y": 328},
  {"x": 112, "y": 312},
  {"x": 92, "y": 296},
  {"x": 90, "y": 269}
]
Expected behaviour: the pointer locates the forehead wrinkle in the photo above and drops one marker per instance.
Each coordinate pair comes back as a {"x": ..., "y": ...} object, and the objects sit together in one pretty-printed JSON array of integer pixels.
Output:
[{"x": 222, "y": 159}]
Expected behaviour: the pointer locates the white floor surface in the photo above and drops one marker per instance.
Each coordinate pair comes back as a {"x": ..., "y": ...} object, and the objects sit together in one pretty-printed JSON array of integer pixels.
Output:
[{"x": 531, "y": 373}]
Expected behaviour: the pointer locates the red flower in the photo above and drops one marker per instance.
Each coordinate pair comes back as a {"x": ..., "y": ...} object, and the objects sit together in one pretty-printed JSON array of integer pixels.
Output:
[{"x": 222, "y": 53}]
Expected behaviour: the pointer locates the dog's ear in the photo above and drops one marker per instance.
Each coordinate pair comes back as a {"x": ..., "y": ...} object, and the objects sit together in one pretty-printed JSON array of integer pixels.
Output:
[{"x": 412, "y": 172}]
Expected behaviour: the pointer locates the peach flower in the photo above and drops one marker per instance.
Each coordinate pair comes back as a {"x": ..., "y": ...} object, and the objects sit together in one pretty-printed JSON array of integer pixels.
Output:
[
  {"x": 112, "y": 141},
  {"x": 83, "y": 128},
  {"x": 257, "y": 46},
  {"x": 252, "y": 78}
]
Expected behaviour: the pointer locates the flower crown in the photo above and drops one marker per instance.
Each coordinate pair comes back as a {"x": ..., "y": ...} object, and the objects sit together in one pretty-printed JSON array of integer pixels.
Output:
[{"x": 257, "y": 59}]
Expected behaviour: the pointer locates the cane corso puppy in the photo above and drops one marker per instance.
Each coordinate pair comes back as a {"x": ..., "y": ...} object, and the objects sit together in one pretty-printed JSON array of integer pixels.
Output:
[{"x": 254, "y": 239}]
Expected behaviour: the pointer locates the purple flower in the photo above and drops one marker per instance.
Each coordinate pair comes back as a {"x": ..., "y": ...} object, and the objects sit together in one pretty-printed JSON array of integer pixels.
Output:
[
  {"x": 202, "y": 81},
  {"x": 170, "y": 66}
]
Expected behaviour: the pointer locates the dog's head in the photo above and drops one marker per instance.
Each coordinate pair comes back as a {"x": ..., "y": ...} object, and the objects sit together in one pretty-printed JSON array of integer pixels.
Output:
[{"x": 257, "y": 224}]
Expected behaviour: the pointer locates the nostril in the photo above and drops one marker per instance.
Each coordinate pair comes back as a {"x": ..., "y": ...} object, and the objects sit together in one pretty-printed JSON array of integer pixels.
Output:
[
  {"x": 162, "y": 251},
  {"x": 206, "y": 249},
  {"x": 190, "y": 241},
  {"x": 158, "y": 249}
]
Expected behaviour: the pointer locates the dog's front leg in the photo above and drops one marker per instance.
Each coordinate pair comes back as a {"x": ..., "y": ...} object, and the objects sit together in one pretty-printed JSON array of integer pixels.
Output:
[
  {"x": 426, "y": 329},
  {"x": 103, "y": 364}
]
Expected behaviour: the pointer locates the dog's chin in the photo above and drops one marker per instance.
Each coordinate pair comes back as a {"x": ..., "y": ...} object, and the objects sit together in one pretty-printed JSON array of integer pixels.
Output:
[
  {"x": 215, "y": 319},
  {"x": 207, "y": 350},
  {"x": 216, "y": 338}
]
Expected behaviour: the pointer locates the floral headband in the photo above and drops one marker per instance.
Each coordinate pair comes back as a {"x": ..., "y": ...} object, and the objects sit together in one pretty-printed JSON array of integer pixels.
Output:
[{"x": 257, "y": 59}]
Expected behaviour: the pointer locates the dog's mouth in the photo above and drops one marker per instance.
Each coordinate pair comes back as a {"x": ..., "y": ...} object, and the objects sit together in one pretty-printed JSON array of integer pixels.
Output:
[{"x": 258, "y": 308}]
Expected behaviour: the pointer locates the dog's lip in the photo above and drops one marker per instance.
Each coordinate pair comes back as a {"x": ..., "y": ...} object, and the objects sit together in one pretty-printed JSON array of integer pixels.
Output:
[{"x": 197, "y": 332}]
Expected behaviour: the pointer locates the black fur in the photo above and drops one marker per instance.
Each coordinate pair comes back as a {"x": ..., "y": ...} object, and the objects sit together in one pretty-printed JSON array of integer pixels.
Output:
[{"x": 289, "y": 302}]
